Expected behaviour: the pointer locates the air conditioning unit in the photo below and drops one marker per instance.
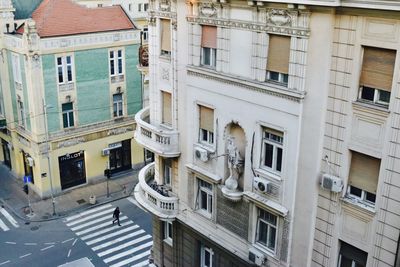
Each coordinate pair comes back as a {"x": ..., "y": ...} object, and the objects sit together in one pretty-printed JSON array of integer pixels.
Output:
[
  {"x": 256, "y": 256},
  {"x": 262, "y": 185},
  {"x": 332, "y": 183},
  {"x": 201, "y": 154},
  {"x": 105, "y": 152}
]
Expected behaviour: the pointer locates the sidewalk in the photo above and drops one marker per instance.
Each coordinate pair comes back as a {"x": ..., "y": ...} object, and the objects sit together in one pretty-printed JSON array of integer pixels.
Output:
[{"x": 13, "y": 197}]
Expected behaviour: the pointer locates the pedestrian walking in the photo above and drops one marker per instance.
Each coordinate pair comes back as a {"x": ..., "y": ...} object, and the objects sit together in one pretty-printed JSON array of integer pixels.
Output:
[{"x": 116, "y": 215}]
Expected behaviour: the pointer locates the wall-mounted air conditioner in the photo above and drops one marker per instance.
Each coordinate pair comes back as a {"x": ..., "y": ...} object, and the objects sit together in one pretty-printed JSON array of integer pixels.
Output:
[
  {"x": 256, "y": 256},
  {"x": 201, "y": 154},
  {"x": 331, "y": 183},
  {"x": 262, "y": 185},
  {"x": 105, "y": 152}
]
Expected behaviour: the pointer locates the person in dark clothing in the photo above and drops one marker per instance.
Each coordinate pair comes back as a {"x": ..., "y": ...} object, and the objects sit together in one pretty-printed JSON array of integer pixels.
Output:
[{"x": 116, "y": 215}]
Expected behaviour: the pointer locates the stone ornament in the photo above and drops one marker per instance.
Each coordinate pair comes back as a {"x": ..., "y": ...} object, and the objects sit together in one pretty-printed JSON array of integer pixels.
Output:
[
  {"x": 165, "y": 5},
  {"x": 208, "y": 10},
  {"x": 235, "y": 165},
  {"x": 279, "y": 17}
]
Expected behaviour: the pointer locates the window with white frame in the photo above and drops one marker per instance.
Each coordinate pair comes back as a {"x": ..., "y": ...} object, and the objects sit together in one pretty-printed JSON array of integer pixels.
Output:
[
  {"x": 16, "y": 68},
  {"x": 68, "y": 114},
  {"x": 21, "y": 113},
  {"x": 204, "y": 201},
  {"x": 206, "y": 256},
  {"x": 168, "y": 232},
  {"x": 209, "y": 46},
  {"x": 206, "y": 125},
  {"x": 272, "y": 150},
  {"x": 363, "y": 178},
  {"x": 278, "y": 59},
  {"x": 376, "y": 75},
  {"x": 267, "y": 229},
  {"x": 118, "y": 106},
  {"x": 64, "y": 69},
  {"x": 167, "y": 171},
  {"x": 165, "y": 37},
  {"x": 350, "y": 256},
  {"x": 116, "y": 62}
]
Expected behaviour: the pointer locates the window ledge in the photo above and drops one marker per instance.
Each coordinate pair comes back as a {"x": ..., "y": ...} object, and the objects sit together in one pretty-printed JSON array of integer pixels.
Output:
[
  {"x": 264, "y": 250},
  {"x": 165, "y": 57},
  {"x": 359, "y": 205},
  {"x": 270, "y": 174},
  {"x": 370, "y": 107},
  {"x": 168, "y": 241},
  {"x": 211, "y": 176}
]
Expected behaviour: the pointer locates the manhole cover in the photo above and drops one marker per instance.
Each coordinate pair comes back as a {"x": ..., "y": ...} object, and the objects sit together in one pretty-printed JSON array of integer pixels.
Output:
[
  {"x": 34, "y": 228},
  {"x": 80, "y": 201}
]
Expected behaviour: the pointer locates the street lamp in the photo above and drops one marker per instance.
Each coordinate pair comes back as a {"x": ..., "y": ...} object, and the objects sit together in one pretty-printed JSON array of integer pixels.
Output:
[{"x": 45, "y": 107}]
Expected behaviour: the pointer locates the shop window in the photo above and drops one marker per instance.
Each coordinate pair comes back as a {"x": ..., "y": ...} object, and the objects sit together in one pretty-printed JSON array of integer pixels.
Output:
[
  {"x": 166, "y": 108},
  {"x": 267, "y": 225},
  {"x": 272, "y": 150},
  {"x": 376, "y": 76},
  {"x": 206, "y": 125},
  {"x": 64, "y": 69},
  {"x": 209, "y": 46},
  {"x": 363, "y": 178},
  {"x": 278, "y": 59},
  {"x": 167, "y": 232},
  {"x": 206, "y": 256},
  {"x": 118, "y": 107},
  {"x": 68, "y": 114},
  {"x": 116, "y": 62},
  {"x": 350, "y": 256},
  {"x": 165, "y": 37},
  {"x": 204, "y": 199}
]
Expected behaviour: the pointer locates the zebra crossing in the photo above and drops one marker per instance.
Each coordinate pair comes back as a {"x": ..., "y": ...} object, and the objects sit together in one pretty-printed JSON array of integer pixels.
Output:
[
  {"x": 6, "y": 220},
  {"x": 125, "y": 245}
]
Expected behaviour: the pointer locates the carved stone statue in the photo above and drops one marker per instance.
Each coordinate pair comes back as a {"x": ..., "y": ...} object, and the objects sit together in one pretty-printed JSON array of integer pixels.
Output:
[{"x": 235, "y": 165}]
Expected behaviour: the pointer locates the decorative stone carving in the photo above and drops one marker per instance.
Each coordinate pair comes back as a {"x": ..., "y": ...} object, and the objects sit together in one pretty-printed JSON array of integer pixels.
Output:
[
  {"x": 119, "y": 131},
  {"x": 208, "y": 10},
  {"x": 71, "y": 142},
  {"x": 165, "y": 5},
  {"x": 279, "y": 17},
  {"x": 235, "y": 165},
  {"x": 165, "y": 74}
]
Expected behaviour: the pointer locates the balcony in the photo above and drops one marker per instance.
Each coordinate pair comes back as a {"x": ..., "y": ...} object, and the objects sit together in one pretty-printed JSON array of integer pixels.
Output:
[
  {"x": 154, "y": 198},
  {"x": 158, "y": 139}
]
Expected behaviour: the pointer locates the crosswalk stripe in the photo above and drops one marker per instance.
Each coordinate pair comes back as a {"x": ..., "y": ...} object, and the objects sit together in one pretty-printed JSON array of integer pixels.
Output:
[
  {"x": 119, "y": 239},
  {"x": 87, "y": 212},
  {"x": 9, "y": 217},
  {"x": 135, "y": 258},
  {"x": 141, "y": 264},
  {"x": 91, "y": 223},
  {"x": 112, "y": 227},
  {"x": 3, "y": 226},
  {"x": 97, "y": 240},
  {"x": 98, "y": 214},
  {"x": 127, "y": 244},
  {"x": 128, "y": 252},
  {"x": 95, "y": 228}
]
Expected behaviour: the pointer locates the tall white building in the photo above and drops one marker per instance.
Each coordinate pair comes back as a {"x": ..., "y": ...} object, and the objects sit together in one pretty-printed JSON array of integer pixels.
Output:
[{"x": 252, "y": 105}]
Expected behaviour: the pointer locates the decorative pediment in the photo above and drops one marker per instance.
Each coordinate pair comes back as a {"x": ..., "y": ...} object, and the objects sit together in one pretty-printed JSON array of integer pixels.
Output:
[
  {"x": 208, "y": 10},
  {"x": 279, "y": 17},
  {"x": 165, "y": 5}
]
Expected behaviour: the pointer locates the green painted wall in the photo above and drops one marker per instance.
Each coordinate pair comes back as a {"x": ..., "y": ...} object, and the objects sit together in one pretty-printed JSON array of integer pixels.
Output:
[
  {"x": 50, "y": 92},
  {"x": 133, "y": 79},
  {"x": 93, "y": 97},
  {"x": 25, "y": 92},
  {"x": 12, "y": 88}
]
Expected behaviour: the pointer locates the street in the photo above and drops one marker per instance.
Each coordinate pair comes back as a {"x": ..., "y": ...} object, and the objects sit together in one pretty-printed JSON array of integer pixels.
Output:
[{"x": 88, "y": 234}]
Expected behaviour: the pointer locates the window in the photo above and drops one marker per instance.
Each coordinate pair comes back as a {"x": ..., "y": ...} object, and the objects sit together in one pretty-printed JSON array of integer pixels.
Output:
[
  {"x": 139, "y": 7},
  {"x": 266, "y": 234},
  {"x": 64, "y": 69},
  {"x": 209, "y": 46},
  {"x": 118, "y": 109},
  {"x": 272, "y": 150},
  {"x": 350, "y": 256},
  {"x": 21, "y": 113},
  {"x": 204, "y": 197},
  {"x": 206, "y": 125},
  {"x": 145, "y": 7},
  {"x": 166, "y": 108},
  {"x": 68, "y": 115},
  {"x": 278, "y": 59},
  {"x": 145, "y": 34},
  {"x": 363, "y": 178},
  {"x": 149, "y": 156},
  {"x": 116, "y": 66},
  {"x": 16, "y": 68},
  {"x": 168, "y": 232},
  {"x": 165, "y": 37},
  {"x": 206, "y": 256},
  {"x": 130, "y": 7},
  {"x": 167, "y": 171},
  {"x": 377, "y": 75},
  {"x": 99, "y": 5}
]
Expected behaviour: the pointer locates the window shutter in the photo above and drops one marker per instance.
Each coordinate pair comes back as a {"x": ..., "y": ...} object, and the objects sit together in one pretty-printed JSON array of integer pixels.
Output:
[
  {"x": 206, "y": 118},
  {"x": 165, "y": 35},
  {"x": 166, "y": 115},
  {"x": 209, "y": 36},
  {"x": 377, "y": 68},
  {"x": 364, "y": 172},
  {"x": 278, "y": 53}
]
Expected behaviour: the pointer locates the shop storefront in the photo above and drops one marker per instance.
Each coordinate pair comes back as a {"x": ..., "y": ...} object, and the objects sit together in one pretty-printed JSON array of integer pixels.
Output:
[
  {"x": 120, "y": 156},
  {"x": 28, "y": 166},
  {"x": 72, "y": 169}
]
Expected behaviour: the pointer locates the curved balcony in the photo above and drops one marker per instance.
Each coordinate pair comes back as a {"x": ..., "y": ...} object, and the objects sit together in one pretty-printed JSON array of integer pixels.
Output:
[
  {"x": 162, "y": 141},
  {"x": 153, "y": 200}
]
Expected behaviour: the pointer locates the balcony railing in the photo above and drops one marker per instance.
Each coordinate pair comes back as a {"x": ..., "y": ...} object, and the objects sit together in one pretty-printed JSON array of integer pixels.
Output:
[
  {"x": 153, "y": 198},
  {"x": 158, "y": 139}
]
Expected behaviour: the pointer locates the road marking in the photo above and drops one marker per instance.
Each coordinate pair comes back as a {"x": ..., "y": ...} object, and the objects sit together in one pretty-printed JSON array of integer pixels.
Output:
[
  {"x": 87, "y": 212},
  {"x": 50, "y": 243},
  {"x": 109, "y": 243},
  {"x": 9, "y": 217},
  {"x": 30, "y": 244},
  {"x": 128, "y": 229},
  {"x": 3, "y": 226},
  {"x": 91, "y": 223},
  {"x": 11, "y": 243},
  {"x": 4, "y": 262},
  {"x": 132, "y": 200},
  {"x": 98, "y": 226},
  {"x": 65, "y": 241},
  {"x": 139, "y": 256},
  {"x": 109, "y": 211},
  {"x": 127, "y": 244},
  {"x": 112, "y": 227},
  {"x": 69, "y": 253},
  {"x": 126, "y": 253},
  {"x": 26, "y": 255},
  {"x": 141, "y": 264},
  {"x": 76, "y": 239},
  {"x": 46, "y": 248}
]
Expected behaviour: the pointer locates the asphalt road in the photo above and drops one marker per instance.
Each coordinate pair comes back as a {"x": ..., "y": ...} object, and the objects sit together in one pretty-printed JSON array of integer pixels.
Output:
[{"x": 87, "y": 234}]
